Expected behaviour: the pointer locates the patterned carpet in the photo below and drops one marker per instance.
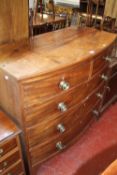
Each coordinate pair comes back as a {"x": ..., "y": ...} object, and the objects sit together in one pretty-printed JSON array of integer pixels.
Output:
[{"x": 93, "y": 152}]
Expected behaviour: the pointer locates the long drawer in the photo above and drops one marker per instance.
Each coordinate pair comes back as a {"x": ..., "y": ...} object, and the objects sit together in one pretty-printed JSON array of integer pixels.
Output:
[
  {"x": 43, "y": 88},
  {"x": 15, "y": 170},
  {"x": 35, "y": 113},
  {"x": 46, "y": 130},
  {"x": 52, "y": 146}
]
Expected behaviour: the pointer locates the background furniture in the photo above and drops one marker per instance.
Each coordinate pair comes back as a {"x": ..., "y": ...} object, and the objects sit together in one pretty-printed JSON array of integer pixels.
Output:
[
  {"x": 109, "y": 22},
  {"x": 93, "y": 15},
  {"x": 11, "y": 161},
  {"x": 54, "y": 88},
  {"x": 46, "y": 22}
]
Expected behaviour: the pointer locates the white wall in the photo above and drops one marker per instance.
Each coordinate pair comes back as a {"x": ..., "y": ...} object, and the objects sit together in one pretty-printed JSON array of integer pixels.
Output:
[
  {"x": 31, "y": 3},
  {"x": 69, "y": 2}
]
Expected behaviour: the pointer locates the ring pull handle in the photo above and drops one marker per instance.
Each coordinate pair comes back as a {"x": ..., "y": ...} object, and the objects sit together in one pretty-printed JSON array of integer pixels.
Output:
[
  {"x": 62, "y": 107},
  {"x": 96, "y": 113},
  {"x": 104, "y": 77},
  {"x": 5, "y": 164},
  {"x": 108, "y": 88},
  {"x": 60, "y": 146},
  {"x": 99, "y": 95},
  {"x": 61, "y": 128},
  {"x": 1, "y": 152},
  {"x": 108, "y": 59},
  {"x": 64, "y": 85}
]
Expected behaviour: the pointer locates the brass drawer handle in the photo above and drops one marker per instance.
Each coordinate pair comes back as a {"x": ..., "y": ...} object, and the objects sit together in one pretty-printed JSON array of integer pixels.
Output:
[
  {"x": 1, "y": 151},
  {"x": 107, "y": 58},
  {"x": 62, "y": 107},
  {"x": 108, "y": 88},
  {"x": 99, "y": 95},
  {"x": 60, "y": 146},
  {"x": 64, "y": 85},
  {"x": 104, "y": 77},
  {"x": 5, "y": 164},
  {"x": 61, "y": 128},
  {"x": 96, "y": 113}
]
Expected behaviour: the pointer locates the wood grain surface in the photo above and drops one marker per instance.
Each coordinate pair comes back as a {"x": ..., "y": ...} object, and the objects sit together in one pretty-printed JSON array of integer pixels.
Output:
[
  {"x": 13, "y": 20},
  {"x": 54, "y": 51},
  {"x": 7, "y": 128}
]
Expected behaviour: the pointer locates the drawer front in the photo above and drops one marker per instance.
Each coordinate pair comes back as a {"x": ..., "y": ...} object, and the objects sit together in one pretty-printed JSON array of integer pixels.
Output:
[
  {"x": 97, "y": 79},
  {"x": 110, "y": 90},
  {"x": 98, "y": 64},
  {"x": 7, "y": 147},
  {"x": 90, "y": 116},
  {"x": 9, "y": 161},
  {"x": 58, "y": 126},
  {"x": 101, "y": 61},
  {"x": 92, "y": 100},
  {"x": 55, "y": 83},
  {"x": 16, "y": 170},
  {"x": 114, "y": 69},
  {"x": 36, "y": 113}
]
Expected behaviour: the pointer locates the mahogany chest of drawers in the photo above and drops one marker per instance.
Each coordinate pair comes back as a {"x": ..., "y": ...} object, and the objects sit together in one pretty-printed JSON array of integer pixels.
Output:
[
  {"x": 11, "y": 162},
  {"x": 54, "y": 88}
]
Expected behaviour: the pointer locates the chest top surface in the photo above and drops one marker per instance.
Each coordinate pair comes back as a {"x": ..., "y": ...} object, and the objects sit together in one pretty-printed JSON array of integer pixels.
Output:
[
  {"x": 53, "y": 50},
  {"x": 7, "y": 127}
]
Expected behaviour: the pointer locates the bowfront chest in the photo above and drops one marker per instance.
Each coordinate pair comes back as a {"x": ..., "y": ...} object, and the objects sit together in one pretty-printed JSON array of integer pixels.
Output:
[{"x": 54, "y": 88}]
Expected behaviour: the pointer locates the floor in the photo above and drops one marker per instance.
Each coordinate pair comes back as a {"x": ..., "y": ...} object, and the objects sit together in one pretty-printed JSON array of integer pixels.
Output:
[{"x": 92, "y": 153}]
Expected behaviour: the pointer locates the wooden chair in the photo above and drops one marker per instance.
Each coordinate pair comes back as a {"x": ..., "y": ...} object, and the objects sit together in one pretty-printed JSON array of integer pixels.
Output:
[
  {"x": 91, "y": 17},
  {"x": 50, "y": 8},
  {"x": 108, "y": 24}
]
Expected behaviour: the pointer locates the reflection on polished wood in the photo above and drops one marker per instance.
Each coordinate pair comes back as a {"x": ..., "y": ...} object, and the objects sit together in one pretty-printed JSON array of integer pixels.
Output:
[
  {"x": 43, "y": 23},
  {"x": 46, "y": 18},
  {"x": 7, "y": 127}
]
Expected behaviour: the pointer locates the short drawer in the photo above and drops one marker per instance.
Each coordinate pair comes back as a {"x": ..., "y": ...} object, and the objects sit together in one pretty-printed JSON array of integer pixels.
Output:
[
  {"x": 92, "y": 100},
  {"x": 98, "y": 79},
  {"x": 98, "y": 64},
  {"x": 93, "y": 114},
  {"x": 101, "y": 61},
  {"x": 35, "y": 113},
  {"x": 58, "y": 126},
  {"x": 113, "y": 68},
  {"x": 43, "y": 88},
  {"x": 9, "y": 161},
  {"x": 7, "y": 146},
  {"x": 16, "y": 170}
]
